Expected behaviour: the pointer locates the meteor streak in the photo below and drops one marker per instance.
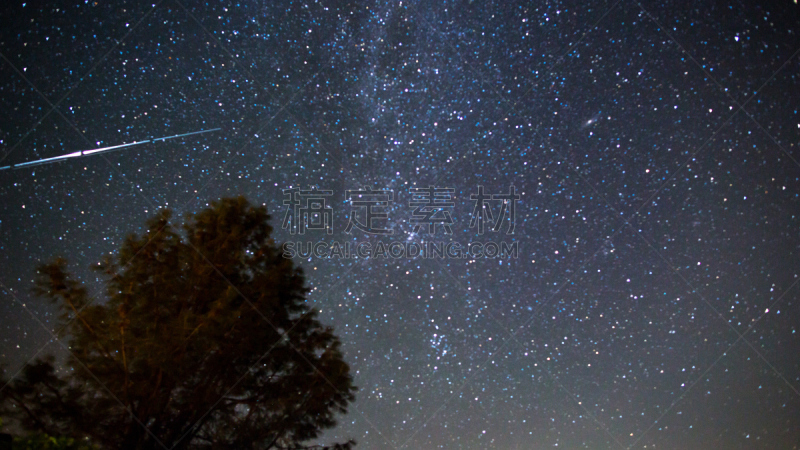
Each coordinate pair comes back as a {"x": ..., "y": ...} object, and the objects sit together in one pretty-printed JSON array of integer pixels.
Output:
[{"x": 99, "y": 150}]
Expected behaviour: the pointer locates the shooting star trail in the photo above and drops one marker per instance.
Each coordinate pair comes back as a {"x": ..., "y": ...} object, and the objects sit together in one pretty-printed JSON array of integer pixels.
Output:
[{"x": 99, "y": 150}]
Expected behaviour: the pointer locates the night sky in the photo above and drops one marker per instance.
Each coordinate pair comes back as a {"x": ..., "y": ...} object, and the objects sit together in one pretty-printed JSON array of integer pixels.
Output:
[{"x": 655, "y": 299}]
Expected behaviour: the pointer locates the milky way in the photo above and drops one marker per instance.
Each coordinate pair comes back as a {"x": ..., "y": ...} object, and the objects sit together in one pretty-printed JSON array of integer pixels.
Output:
[{"x": 653, "y": 302}]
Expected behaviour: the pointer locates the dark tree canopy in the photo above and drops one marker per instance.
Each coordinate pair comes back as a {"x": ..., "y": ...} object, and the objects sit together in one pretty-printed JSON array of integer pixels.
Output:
[{"x": 203, "y": 341}]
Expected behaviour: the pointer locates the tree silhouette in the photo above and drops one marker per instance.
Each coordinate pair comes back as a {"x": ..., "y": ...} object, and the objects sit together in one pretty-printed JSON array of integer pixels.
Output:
[{"x": 203, "y": 340}]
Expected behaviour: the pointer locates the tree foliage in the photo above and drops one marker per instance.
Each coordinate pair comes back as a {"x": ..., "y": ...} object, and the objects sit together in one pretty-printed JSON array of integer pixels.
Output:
[
  {"x": 203, "y": 340},
  {"x": 43, "y": 441}
]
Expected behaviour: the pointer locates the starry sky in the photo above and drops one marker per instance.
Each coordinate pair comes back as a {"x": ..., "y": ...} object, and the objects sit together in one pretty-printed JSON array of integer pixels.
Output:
[{"x": 654, "y": 302}]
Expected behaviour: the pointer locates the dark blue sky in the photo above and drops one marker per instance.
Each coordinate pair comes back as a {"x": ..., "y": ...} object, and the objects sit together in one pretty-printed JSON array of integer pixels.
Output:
[{"x": 654, "y": 146}]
